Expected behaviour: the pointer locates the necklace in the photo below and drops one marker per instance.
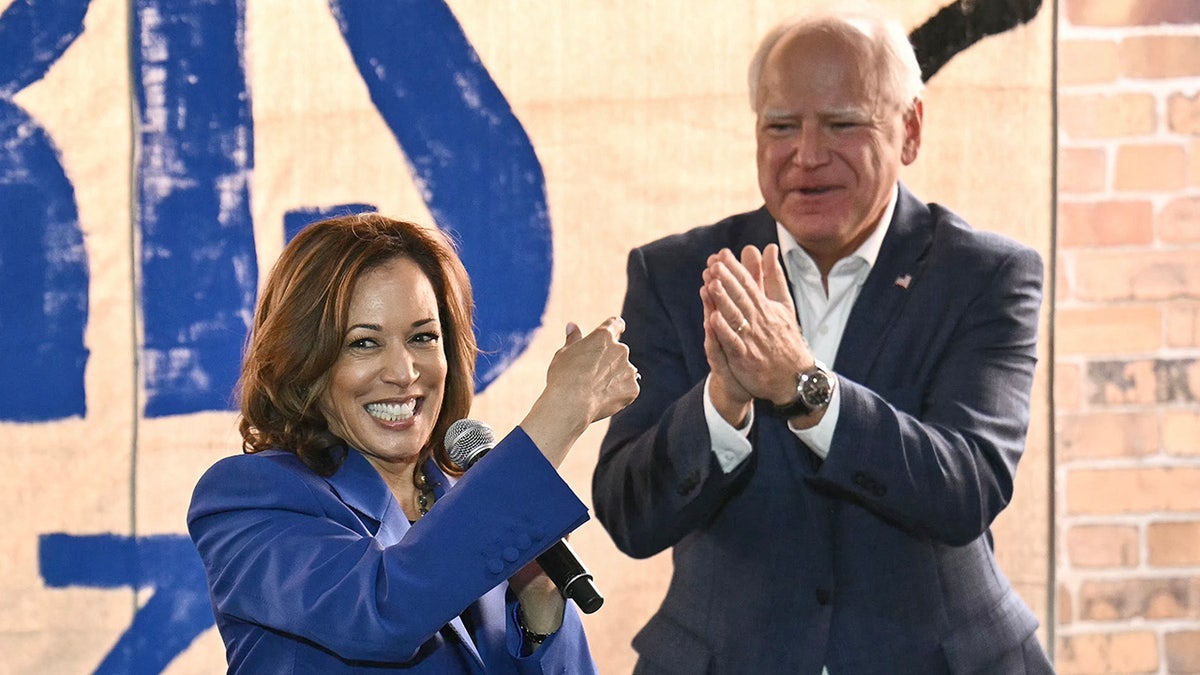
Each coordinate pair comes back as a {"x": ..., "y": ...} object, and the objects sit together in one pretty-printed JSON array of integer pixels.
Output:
[{"x": 424, "y": 492}]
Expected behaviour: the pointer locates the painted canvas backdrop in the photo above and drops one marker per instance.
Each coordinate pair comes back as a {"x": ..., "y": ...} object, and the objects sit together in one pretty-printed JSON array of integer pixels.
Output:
[{"x": 158, "y": 153}]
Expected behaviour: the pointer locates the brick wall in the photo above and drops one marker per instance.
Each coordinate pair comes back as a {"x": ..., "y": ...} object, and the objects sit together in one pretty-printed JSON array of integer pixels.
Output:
[{"x": 1127, "y": 337}]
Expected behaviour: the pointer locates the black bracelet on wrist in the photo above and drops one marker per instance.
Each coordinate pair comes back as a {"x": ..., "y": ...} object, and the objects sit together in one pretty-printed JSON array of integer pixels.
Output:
[{"x": 529, "y": 635}]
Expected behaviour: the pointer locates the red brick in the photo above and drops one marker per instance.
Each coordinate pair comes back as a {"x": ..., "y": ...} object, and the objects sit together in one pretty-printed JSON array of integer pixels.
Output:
[
  {"x": 1183, "y": 114},
  {"x": 1151, "y": 167},
  {"x": 1100, "y": 546},
  {"x": 1087, "y": 62},
  {"x": 1183, "y": 651},
  {"x": 1183, "y": 325},
  {"x": 1089, "y": 654},
  {"x": 1120, "y": 491},
  {"x": 1063, "y": 266},
  {"x": 1174, "y": 544},
  {"x": 1181, "y": 432},
  {"x": 1194, "y": 163},
  {"x": 1062, "y": 605},
  {"x": 1081, "y": 170},
  {"x": 1103, "y": 116},
  {"x": 1160, "y": 56},
  {"x": 1125, "y": 599},
  {"x": 1179, "y": 221},
  {"x": 1106, "y": 223},
  {"x": 1121, "y": 13},
  {"x": 1106, "y": 435},
  {"x": 1150, "y": 275},
  {"x": 1125, "y": 329},
  {"x": 1068, "y": 386}
]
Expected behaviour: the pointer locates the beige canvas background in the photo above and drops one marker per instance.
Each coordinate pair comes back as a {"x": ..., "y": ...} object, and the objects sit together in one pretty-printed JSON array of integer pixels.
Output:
[{"x": 638, "y": 113}]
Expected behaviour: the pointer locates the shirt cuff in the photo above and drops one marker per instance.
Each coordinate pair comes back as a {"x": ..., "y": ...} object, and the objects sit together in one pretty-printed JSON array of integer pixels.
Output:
[{"x": 730, "y": 444}]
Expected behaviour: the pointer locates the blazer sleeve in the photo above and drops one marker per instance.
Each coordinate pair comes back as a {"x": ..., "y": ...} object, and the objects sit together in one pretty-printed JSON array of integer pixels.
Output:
[
  {"x": 281, "y": 551},
  {"x": 937, "y": 454},
  {"x": 657, "y": 479}
]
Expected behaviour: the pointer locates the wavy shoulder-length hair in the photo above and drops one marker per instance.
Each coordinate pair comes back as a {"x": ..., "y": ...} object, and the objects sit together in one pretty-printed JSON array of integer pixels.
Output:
[{"x": 302, "y": 317}]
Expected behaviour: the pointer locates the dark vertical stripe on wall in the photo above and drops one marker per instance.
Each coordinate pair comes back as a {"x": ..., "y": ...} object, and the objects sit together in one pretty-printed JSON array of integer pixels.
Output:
[{"x": 1052, "y": 313}]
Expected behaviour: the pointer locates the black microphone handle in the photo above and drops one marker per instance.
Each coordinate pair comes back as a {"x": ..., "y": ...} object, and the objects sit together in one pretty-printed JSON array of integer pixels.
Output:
[
  {"x": 570, "y": 576},
  {"x": 467, "y": 441}
]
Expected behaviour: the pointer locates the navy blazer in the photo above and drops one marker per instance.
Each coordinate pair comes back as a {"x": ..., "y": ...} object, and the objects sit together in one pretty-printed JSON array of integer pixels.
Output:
[
  {"x": 879, "y": 559},
  {"x": 326, "y": 575}
]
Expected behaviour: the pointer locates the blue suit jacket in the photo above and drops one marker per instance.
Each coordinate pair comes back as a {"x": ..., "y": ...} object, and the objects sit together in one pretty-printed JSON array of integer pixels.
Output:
[
  {"x": 879, "y": 559},
  {"x": 326, "y": 575}
]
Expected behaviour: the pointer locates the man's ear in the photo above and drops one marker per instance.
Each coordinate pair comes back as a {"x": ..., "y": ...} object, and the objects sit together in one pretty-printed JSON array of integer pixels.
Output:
[{"x": 912, "y": 132}]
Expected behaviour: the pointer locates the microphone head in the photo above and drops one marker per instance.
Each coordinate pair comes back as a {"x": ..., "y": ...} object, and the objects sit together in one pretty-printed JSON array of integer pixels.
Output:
[{"x": 467, "y": 440}]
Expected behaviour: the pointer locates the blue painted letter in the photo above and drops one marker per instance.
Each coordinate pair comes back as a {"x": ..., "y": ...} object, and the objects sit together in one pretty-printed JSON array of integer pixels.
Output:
[
  {"x": 199, "y": 271},
  {"x": 177, "y": 613},
  {"x": 43, "y": 264},
  {"x": 470, "y": 157}
]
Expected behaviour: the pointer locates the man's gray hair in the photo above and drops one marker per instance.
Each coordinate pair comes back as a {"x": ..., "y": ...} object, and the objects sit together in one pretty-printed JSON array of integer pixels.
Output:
[{"x": 892, "y": 55}]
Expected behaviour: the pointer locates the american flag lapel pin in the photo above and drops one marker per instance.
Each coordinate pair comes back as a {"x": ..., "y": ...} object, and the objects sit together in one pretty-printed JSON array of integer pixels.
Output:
[{"x": 904, "y": 281}]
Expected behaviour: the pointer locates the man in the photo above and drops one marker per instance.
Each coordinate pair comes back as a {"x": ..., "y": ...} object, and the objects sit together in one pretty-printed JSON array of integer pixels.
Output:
[{"x": 826, "y": 447}]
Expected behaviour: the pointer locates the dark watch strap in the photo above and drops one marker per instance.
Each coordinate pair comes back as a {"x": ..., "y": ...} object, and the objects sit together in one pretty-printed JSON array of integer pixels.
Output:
[{"x": 796, "y": 408}]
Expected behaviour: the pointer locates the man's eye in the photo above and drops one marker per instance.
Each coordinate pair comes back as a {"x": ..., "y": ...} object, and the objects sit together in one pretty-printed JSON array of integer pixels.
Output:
[{"x": 842, "y": 126}]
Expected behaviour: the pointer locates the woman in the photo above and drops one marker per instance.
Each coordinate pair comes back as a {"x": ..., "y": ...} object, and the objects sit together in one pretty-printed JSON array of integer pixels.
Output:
[{"x": 343, "y": 539}]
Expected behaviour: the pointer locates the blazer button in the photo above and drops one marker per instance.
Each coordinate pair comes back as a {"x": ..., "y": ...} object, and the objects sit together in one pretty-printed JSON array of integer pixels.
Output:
[
  {"x": 869, "y": 484},
  {"x": 689, "y": 483},
  {"x": 823, "y": 596}
]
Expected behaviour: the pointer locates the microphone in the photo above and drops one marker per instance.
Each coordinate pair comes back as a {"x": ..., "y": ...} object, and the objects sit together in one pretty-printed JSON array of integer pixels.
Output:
[{"x": 467, "y": 441}]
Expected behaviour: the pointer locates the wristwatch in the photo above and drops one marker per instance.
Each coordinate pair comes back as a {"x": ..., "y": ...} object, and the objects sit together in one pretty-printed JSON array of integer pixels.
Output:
[{"x": 814, "y": 390}]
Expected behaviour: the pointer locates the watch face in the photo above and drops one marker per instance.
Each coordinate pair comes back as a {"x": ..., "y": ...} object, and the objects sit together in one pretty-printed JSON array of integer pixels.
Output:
[{"x": 816, "y": 389}]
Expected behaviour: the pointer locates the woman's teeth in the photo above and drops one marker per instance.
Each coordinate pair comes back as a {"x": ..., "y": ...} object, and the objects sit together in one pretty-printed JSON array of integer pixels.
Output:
[{"x": 392, "y": 412}]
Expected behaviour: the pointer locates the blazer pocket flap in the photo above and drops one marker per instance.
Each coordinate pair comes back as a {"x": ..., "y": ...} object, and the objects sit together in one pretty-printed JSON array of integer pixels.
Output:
[
  {"x": 989, "y": 636},
  {"x": 671, "y": 648}
]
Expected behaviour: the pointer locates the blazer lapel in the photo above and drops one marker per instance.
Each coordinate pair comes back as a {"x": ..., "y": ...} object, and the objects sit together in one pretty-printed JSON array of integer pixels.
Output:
[
  {"x": 759, "y": 231},
  {"x": 464, "y": 639},
  {"x": 360, "y": 486},
  {"x": 456, "y": 625},
  {"x": 897, "y": 270}
]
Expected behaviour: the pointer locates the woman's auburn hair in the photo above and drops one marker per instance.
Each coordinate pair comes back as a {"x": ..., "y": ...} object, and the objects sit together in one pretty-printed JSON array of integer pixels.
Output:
[{"x": 301, "y": 321}]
